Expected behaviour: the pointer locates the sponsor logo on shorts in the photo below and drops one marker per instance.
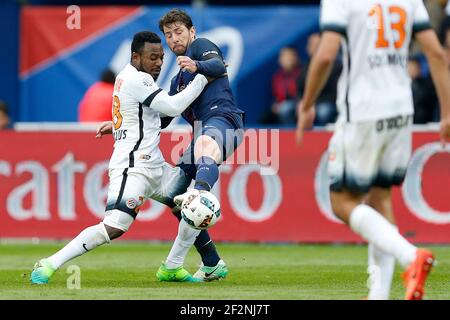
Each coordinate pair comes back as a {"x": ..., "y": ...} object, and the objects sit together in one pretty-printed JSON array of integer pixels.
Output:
[
  {"x": 141, "y": 203},
  {"x": 145, "y": 157},
  {"x": 131, "y": 203}
]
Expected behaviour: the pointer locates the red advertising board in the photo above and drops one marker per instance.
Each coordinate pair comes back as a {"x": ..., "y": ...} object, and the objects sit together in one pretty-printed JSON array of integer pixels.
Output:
[{"x": 54, "y": 184}]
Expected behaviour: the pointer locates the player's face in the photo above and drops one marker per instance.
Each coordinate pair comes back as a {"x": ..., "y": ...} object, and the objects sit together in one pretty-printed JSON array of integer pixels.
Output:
[
  {"x": 151, "y": 59},
  {"x": 178, "y": 37}
]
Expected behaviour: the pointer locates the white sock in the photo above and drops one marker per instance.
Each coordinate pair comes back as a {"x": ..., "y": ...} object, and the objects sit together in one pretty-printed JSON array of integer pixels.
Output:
[
  {"x": 377, "y": 230},
  {"x": 381, "y": 269},
  {"x": 180, "y": 248},
  {"x": 87, "y": 240}
]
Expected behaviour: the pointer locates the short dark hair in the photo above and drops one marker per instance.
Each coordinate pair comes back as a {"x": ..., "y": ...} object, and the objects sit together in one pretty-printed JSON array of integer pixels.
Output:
[
  {"x": 175, "y": 15},
  {"x": 108, "y": 76},
  {"x": 141, "y": 38}
]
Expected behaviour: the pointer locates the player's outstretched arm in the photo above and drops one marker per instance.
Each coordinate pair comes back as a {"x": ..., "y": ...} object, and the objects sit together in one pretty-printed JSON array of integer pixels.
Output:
[
  {"x": 439, "y": 68},
  {"x": 176, "y": 104},
  {"x": 318, "y": 73}
]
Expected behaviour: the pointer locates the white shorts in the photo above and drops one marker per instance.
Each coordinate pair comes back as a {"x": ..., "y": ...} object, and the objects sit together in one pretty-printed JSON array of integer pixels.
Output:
[
  {"x": 129, "y": 188},
  {"x": 371, "y": 153}
]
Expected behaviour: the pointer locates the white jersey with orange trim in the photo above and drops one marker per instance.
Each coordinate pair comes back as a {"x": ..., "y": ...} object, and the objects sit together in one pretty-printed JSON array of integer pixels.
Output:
[
  {"x": 374, "y": 83},
  {"x": 137, "y": 104}
]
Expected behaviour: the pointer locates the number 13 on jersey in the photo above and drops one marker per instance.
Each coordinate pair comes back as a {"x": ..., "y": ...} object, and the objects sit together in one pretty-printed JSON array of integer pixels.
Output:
[{"x": 397, "y": 18}]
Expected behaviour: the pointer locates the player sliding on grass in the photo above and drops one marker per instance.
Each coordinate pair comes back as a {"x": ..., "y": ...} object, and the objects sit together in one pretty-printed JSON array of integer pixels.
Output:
[
  {"x": 371, "y": 145},
  {"x": 137, "y": 170}
]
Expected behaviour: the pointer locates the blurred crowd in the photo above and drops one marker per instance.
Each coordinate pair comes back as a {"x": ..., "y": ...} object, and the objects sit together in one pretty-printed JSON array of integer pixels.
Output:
[{"x": 288, "y": 81}]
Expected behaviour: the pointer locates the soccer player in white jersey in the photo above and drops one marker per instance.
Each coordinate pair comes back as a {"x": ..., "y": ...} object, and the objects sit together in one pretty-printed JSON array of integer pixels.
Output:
[
  {"x": 137, "y": 167},
  {"x": 371, "y": 145}
]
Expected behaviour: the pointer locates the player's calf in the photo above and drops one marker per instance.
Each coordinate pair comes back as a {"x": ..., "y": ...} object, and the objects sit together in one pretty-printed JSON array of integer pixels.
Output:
[{"x": 114, "y": 225}]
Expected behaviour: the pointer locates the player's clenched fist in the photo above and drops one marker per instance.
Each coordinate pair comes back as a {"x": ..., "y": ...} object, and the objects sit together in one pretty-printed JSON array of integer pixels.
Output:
[{"x": 186, "y": 64}]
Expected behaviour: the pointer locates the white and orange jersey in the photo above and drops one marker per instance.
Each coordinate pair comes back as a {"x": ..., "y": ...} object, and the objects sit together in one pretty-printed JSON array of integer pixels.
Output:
[
  {"x": 374, "y": 83},
  {"x": 136, "y": 127}
]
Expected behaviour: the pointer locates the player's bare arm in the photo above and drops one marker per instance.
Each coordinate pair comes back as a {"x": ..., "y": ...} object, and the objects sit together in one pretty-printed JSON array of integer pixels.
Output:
[
  {"x": 318, "y": 73},
  {"x": 439, "y": 66},
  {"x": 104, "y": 128}
]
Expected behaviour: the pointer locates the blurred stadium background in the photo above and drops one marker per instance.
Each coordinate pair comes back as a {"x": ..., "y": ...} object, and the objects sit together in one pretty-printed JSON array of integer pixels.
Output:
[{"x": 53, "y": 171}]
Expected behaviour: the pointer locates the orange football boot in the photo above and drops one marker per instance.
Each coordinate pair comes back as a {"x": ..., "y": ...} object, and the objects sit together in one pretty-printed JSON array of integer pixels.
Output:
[{"x": 415, "y": 276}]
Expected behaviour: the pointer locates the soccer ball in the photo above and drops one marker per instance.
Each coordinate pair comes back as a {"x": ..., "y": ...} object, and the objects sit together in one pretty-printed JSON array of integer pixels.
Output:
[{"x": 201, "y": 211}]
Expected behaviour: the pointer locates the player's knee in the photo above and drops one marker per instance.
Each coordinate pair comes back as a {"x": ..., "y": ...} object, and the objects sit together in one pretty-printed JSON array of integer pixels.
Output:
[
  {"x": 207, "y": 146},
  {"x": 343, "y": 203},
  {"x": 176, "y": 211},
  {"x": 113, "y": 233},
  {"x": 117, "y": 223},
  {"x": 338, "y": 210}
]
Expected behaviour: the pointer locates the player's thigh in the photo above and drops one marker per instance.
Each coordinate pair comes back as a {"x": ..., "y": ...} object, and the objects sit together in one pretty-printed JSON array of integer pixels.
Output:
[
  {"x": 205, "y": 145},
  {"x": 226, "y": 134},
  {"x": 126, "y": 194},
  {"x": 172, "y": 182},
  {"x": 353, "y": 160}
]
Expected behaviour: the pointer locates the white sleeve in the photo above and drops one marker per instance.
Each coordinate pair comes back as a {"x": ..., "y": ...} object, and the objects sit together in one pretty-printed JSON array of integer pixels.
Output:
[
  {"x": 334, "y": 16},
  {"x": 421, "y": 20},
  {"x": 142, "y": 86},
  {"x": 176, "y": 104}
]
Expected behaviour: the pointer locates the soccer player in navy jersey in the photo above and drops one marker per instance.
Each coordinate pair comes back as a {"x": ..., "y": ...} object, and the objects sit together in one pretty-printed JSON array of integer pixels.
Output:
[{"x": 217, "y": 122}]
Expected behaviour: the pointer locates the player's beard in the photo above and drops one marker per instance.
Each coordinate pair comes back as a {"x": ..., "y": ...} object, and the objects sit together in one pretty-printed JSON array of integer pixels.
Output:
[
  {"x": 185, "y": 48},
  {"x": 153, "y": 74},
  {"x": 180, "y": 53}
]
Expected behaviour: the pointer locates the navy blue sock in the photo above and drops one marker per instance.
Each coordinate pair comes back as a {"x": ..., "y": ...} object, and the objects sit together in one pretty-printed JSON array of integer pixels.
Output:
[
  {"x": 204, "y": 245},
  {"x": 207, "y": 174}
]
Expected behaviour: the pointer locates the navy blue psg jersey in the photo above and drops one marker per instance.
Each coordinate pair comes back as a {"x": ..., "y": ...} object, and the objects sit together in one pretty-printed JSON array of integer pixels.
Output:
[{"x": 217, "y": 98}]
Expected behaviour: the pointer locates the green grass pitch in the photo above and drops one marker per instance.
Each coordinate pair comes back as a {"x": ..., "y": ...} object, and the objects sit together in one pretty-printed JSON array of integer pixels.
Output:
[{"x": 126, "y": 270}]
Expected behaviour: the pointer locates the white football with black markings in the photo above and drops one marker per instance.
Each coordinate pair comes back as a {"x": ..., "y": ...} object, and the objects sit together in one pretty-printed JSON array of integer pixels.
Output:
[{"x": 201, "y": 211}]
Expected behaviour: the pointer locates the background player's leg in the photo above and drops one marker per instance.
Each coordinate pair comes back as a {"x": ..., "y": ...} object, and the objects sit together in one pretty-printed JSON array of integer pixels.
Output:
[
  {"x": 372, "y": 226},
  {"x": 381, "y": 264}
]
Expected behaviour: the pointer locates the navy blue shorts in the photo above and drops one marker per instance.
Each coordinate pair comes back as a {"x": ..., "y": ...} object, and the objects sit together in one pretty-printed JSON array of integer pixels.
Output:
[{"x": 226, "y": 130}]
